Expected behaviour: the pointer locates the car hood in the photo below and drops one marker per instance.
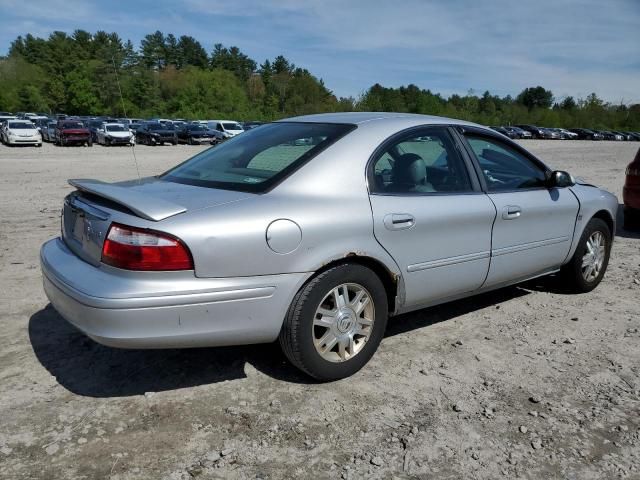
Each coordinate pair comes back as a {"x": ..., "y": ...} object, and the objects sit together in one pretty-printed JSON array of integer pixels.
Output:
[
  {"x": 155, "y": 199},
  {"x": 119, "y": 134}
]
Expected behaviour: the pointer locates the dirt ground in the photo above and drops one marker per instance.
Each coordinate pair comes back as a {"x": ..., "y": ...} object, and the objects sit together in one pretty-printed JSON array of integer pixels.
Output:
[{"x": 525, "y": 382}]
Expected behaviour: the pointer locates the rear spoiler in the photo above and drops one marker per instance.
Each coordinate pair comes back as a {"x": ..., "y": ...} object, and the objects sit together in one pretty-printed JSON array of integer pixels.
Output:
[{"x": 142, "y": 204}]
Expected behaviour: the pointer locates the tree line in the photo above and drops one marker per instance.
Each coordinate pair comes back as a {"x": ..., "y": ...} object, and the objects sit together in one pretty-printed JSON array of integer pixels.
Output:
[{"x": 83, "y": 74}]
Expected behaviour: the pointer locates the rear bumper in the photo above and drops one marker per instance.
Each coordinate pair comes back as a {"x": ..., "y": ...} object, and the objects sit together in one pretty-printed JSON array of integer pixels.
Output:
[{"x": 164, "y": 309}]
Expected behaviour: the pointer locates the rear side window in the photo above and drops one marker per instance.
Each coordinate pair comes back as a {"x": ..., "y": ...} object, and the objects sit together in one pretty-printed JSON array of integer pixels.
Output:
[
  {"x": 503, "y": 167},
  {"x": 420, "y": 162},
  {"x": 259, "y": 158}
]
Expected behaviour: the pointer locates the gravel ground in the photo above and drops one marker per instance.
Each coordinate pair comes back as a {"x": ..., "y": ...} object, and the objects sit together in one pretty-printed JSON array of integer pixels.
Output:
[{"x": 525, "y": 382}]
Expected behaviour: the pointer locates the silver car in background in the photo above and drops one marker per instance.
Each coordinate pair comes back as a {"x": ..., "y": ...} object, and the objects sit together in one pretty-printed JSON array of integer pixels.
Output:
[{"x": 314, "y": 230}]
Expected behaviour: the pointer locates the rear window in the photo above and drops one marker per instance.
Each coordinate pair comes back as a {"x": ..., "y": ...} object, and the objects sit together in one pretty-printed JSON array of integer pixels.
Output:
[{"x": 259, "y": 158}]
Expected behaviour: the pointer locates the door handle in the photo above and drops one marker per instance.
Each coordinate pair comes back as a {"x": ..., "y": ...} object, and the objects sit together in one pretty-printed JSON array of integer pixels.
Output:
[
  {"x": 399, "y": 221},
  {"x": 511, "y": 212}
]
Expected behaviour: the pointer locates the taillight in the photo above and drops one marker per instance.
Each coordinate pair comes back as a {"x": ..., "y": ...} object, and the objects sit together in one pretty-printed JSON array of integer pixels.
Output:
[{"x": 133, "y": 248}]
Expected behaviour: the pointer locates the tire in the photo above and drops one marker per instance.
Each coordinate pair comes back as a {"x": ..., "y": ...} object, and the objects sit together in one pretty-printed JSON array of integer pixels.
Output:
[
  {"x": 39, "y": 145},
  {"x": 631, "y": 219},
  {"x": 298, "y": 332},
  {"x": 573, "y": 273},
  {"x": 191, "y": 141},
  {"x": 89, "y": 143}
]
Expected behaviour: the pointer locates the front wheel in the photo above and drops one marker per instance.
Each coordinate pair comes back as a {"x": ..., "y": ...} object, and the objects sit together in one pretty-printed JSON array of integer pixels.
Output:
[
  {"x": 335, "y": 322},
  {"x": 586, "y": 268}
]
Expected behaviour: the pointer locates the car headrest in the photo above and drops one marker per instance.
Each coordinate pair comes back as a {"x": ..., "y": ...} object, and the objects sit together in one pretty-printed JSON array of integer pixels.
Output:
[{"x": 410, "y": 169}]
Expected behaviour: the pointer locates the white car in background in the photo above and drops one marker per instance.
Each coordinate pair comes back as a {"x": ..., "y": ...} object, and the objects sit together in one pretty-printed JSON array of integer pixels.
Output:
[
  {"x": 20, "y": 132},
  {"x": 115, "y": 134},
  {"x": 229, "y": 128}
]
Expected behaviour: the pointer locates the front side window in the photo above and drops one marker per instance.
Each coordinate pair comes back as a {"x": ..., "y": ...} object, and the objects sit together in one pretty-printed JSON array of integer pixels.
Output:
[
  {"x": 255, "y": 161},
  {"x": 504, "y": 168},
  {"x": 421, "y": 162}
]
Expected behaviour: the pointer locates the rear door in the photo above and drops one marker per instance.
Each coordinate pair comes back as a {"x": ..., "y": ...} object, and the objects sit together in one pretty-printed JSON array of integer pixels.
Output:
[
  {"x": 430, "y": 214},
  {"x": 534, "y": 226}
]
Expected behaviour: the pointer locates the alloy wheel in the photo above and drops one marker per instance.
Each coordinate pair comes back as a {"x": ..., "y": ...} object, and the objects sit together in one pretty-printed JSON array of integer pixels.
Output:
[
  {"x": 594, "y": 256},
  {"x": 343, "y": 322}
]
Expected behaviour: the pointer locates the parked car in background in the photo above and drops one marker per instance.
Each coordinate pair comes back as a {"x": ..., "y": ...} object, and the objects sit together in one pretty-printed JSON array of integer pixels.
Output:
[
  {"x": 235, "y": 246},
  {"x": 72, "y": 132},
  {"x": 252, "y": 124},
  {"x": 624, "y": 135},
  {"x": 134, "y": 126},
  {"x": 565, "y": 134},
  {"x": 115, "y": 134},
  {"x": 519, "y": 132},
  {"x": 536, "y": 132},
  {"x": 20, "y": 132},
  {"x": 5, "y": 118},
  {"x": 586, "y": 134},
  {"x": 156, "y": 133},
  {"x": 505, "y": 132},
  {"x": 228, "y": 128},
  {"x": 93, "y": 126},
  {"x": 607, "y": 135},
  {"x": 49, "y": 132},
  {"x": 631, "y": 193},
  {"x": 196, "y": 134},
  {"x": 635, "y": 136},
  {"x": 551, "y": 134}
]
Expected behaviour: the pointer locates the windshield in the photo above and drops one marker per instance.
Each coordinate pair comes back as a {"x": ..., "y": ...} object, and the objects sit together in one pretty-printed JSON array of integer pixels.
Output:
[
  {"x": 231, "y": 126},
  {"x": 155, "y": 126},
  {"x": 21, "y": 126},
  {"x": 196, "y": 128},
  {"x": 115, "y": 128},
  {"x": 259, "y": 158}
]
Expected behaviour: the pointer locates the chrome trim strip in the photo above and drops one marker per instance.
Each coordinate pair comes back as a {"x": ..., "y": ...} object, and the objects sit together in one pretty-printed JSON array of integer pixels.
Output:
[
  {"x": 444, "y": 262},
  {"x": 526, "y": 246}
]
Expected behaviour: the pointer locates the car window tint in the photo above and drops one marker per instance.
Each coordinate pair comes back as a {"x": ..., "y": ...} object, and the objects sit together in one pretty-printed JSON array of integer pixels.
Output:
[
  {"x": 421, "y": 163},
  {"x": 259, "y": 158},
  {"x": 505, "y": 168}
]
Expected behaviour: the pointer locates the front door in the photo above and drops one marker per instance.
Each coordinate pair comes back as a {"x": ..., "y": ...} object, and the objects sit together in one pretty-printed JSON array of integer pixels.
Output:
[
  {"x": 534, "y": 226},
  {"x": 430, "y": 215}
]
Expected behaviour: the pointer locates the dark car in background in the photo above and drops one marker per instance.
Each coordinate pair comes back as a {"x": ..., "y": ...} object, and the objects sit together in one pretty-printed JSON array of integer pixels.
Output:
[
  {"x": 72, "y": 132},
  {"x": 536, "y": 132},
  {"x": 196, "y": 134},
  {"x": 156, "y": 133},
  {"x": 48, "y": 132},
  {"x": 586, "y": 134},
  {"x": 93, "y": 126}
]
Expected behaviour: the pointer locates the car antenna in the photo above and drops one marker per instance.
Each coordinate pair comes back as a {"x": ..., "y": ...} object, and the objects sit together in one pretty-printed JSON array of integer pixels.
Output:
[{"x": 133, "y": 148}]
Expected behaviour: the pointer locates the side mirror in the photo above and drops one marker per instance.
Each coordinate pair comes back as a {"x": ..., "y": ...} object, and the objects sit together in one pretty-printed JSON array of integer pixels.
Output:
[{"x": 560, "y": 179}]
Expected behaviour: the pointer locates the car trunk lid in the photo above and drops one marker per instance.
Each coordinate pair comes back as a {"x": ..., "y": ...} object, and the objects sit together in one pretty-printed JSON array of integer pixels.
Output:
[{"x": 88, "y": 212}]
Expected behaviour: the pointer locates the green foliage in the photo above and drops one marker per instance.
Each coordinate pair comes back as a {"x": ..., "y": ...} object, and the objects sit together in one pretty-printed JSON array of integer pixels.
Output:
[
  {"x": 535, "y": 97},
  {"x": 174, "y": 77}
]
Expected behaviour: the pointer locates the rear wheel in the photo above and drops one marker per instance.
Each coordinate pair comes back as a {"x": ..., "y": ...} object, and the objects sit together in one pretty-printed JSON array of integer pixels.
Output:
[
  {"x": 335, "y": 322},
  {"x": 589, "y": 262}
]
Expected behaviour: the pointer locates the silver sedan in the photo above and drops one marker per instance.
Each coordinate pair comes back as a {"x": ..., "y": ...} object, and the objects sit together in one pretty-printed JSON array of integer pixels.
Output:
[{"x": 314, "y": 231}]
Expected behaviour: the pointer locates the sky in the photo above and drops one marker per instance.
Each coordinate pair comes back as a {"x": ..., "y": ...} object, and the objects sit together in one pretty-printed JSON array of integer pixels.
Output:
[{"x": 572, "y": 47}]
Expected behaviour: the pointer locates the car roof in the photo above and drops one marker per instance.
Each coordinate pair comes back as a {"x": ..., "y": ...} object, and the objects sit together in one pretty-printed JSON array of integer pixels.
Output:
[{"x": 370, "y": 118}]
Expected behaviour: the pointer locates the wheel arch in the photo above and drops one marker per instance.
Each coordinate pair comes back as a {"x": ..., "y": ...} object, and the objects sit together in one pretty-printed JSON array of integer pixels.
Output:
[
  {"x": 606, "y": 217},
  {"x": 390, "y": 280}
]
